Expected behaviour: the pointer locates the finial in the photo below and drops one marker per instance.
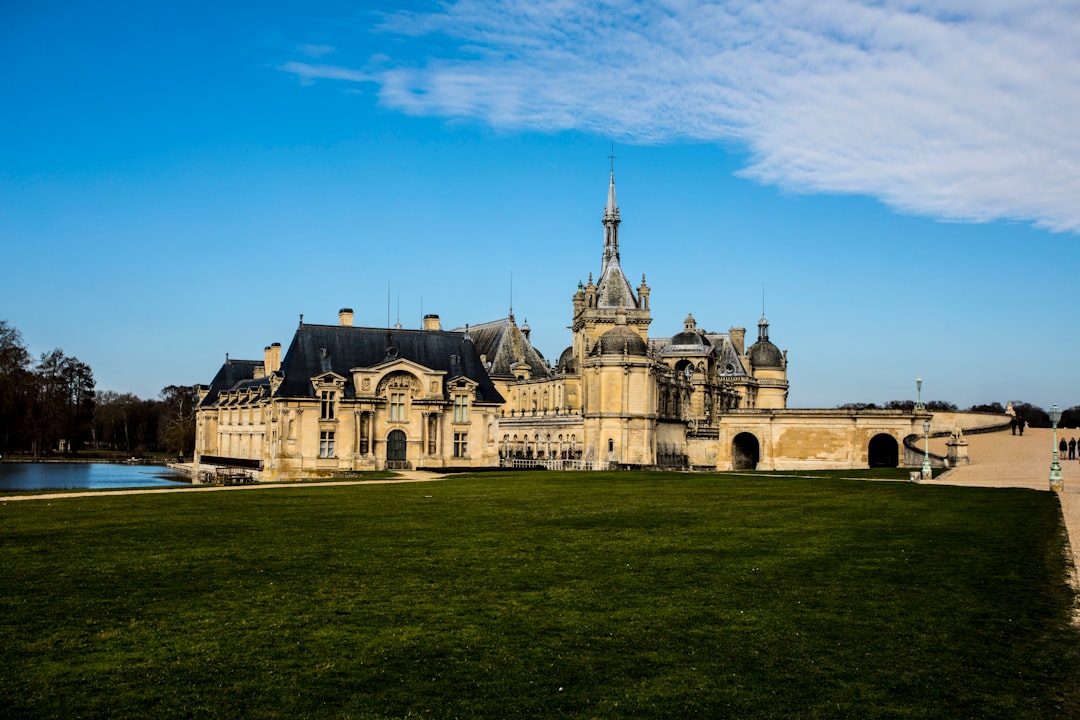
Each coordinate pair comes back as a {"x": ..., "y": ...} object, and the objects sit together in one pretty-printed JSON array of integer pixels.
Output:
[
  {"x": 301, "y": 318},
  {"x": 611, "y": 157}
]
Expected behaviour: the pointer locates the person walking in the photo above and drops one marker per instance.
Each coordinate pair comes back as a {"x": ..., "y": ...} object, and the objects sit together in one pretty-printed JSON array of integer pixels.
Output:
[
  {"x": 1072, "y": 448},
  {"x": 1021, "y": 423},
  {"x": 1063, "y": 448}
]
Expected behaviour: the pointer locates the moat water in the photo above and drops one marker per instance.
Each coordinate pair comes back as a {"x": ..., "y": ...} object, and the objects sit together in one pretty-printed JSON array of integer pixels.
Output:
[{"x": 84, "y": 476}]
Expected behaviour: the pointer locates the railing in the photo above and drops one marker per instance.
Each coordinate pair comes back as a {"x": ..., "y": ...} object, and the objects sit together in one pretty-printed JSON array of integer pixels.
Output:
[
  {"x": 914, "y": 455},
  {"x": 398, "y": 465},
  {"x": 553, "y": 464}
]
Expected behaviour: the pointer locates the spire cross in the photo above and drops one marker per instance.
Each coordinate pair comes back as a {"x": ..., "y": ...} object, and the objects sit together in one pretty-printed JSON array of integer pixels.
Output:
[{"x": 612, "y": 157}]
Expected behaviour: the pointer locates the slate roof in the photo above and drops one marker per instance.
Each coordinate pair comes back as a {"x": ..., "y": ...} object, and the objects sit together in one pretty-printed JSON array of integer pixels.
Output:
[
  {"x": 504, "y": 345},
  {"x": 231, "y": 375},
  {"x": 717, "y": 344},
  {"x": 763, "y": 354},
  {"x": 317, "y": 349},
  {"x": 614, "y": 289}
]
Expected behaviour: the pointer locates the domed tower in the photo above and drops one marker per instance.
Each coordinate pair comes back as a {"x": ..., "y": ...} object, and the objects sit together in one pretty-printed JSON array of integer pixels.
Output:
[
  {"x": 619, "y": 406},
  {"x": 597, "y": 305},
  {"x": 768, "y": 366}
]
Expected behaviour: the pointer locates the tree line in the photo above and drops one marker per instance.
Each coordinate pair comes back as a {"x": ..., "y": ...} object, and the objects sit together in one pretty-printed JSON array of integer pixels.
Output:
[
  {"x": 49, "y": 406},
  {"x": 1033, "y": 415}
]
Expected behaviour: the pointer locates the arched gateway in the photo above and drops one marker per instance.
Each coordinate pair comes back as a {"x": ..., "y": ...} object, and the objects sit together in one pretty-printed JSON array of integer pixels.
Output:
[
  {"x": 883, "y": 451},
  {"x": 745, "y": 452}
]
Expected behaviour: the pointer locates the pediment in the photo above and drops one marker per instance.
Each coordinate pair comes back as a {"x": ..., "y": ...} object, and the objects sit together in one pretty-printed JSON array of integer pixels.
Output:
[{"x": 328, "y": 378}]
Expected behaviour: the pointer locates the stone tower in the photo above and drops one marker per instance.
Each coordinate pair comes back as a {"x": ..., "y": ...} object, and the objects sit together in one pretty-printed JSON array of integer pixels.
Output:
[{"x": 611, "y": 326}]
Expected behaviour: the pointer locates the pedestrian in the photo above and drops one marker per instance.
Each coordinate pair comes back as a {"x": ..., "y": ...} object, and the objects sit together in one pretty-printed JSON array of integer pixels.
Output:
[
  {"x": 1012, "y": 424},
  {"x": 1021, "y": 423},
  {"x": 1072, "y": 448},
  {"x": 1063, "y": 448}
]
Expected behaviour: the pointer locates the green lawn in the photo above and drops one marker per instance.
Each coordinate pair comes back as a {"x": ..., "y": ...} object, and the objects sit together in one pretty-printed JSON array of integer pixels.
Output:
[{"x": 545, "y": 595}]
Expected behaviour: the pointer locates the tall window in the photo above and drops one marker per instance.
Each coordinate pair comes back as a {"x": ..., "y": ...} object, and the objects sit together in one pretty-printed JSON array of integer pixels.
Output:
[
  {"x": 397, "y": 407},
  {"x": 326, "y": 444},
  {"x": 461, "y": 408},
  {"x": 326, "y": 398},
  {"x": 461, "y": 444}
]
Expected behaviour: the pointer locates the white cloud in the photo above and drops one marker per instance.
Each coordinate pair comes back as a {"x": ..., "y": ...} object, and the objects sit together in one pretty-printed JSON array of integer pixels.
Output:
[
  {"x": 308, "y": 72},
  {"x": 961, "y": 109}
]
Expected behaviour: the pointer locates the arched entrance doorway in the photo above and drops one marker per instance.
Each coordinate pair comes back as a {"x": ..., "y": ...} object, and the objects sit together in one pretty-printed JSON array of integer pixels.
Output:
[
  {"x": 745, "y": 452},
  {"x": 884, "y": 451},
  {"x": 395, "y": 449}
]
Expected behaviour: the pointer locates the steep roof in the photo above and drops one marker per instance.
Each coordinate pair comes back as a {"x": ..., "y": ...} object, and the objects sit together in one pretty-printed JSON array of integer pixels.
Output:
[
  {"x": 231, "y": 375},
  {"x": 317, "y": 349},
  {"x": 614, "y": 289},
  {"x": 504, "y": 345}
]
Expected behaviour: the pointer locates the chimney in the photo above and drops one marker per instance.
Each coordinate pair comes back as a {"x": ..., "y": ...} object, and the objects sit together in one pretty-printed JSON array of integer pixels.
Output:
[
  {"x": 431, "y": 322},
  {"x": 344, "y": 316},
  {"x": 272, "y": 358},
  {"x": 738, "y": 339}
]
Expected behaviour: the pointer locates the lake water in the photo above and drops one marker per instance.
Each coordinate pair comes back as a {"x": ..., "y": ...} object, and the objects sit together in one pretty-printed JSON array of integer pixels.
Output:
[{"x": 85, "y": 476}]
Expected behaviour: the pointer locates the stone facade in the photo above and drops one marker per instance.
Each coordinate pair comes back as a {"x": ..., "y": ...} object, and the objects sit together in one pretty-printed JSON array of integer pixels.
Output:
[{"x": 347, "y": 398}]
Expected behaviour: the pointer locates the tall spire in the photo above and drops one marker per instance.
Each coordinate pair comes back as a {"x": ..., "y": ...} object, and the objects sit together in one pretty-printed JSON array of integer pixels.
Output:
[
  {"x": 611, "y": 227},
  {"x": 763, "y": 324}
]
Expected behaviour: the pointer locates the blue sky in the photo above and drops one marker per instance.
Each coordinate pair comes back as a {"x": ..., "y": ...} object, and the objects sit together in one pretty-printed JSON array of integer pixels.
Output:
[{"x": 182, "y": 181}]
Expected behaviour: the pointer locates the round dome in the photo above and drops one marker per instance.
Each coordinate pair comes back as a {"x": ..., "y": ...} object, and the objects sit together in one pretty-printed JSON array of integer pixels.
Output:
[
  {"x": 621, "y": 339},
  {"x": 763, "y": 354},
  {"x": 567, "y": 362},
  {"x": 690, "y": 339}
]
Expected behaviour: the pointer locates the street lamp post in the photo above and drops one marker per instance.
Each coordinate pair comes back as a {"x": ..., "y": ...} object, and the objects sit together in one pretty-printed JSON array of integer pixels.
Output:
[
  {"x": 927, "y": 473},
  {"x": 1056, "y": 481},
  {"x": 918, "y": 390}
]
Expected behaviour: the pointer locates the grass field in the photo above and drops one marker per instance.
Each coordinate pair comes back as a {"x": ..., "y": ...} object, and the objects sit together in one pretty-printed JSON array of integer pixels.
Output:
[{"x": 541, "y": 595}]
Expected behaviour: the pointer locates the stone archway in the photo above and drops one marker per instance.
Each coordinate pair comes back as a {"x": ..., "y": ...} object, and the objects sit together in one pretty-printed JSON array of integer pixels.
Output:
[
  {"x": 745, "y": 452},
  {"x": 883, "y": 451}
]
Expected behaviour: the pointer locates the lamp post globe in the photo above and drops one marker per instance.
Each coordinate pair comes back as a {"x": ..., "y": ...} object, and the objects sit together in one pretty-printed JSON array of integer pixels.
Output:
[
  {"x": 1056, "y": 481},
  {"x": 927, "y": 473}
]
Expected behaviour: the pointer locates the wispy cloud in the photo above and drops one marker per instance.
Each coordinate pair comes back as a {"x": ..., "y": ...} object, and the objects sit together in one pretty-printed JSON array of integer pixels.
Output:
[
  {"x": 315, "y": 51},
  {"x": 308, "y": 72},
  {"x": 961, "y": 109}
]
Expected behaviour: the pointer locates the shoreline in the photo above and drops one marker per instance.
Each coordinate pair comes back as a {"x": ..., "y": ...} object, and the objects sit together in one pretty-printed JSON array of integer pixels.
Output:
[{"x": 82, "y": 461}]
